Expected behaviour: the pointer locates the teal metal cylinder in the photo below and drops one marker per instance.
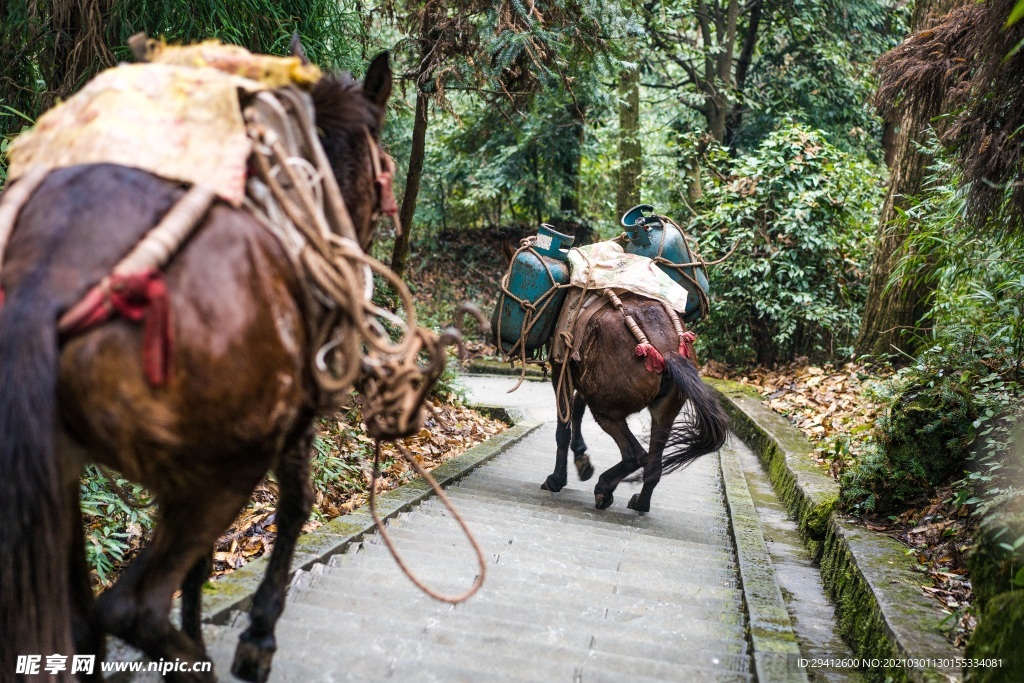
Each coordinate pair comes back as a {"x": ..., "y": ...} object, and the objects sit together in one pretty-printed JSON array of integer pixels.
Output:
[
  {"x": 650, "y": 236},
  {"x": 532, "y": 275}
]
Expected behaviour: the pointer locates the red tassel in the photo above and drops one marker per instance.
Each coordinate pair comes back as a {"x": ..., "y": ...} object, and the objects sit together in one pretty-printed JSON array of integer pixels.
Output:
[
  {"x": 686, "y": 349},
  {"x": 388, "y": 205},
  {"x": 91, "y": 310},
  {"x": 143, "y": 296},
  {"x": 655, "y": 361},
  {"x": 139, "y": 296},
  {"x": 3, "y": 297}
]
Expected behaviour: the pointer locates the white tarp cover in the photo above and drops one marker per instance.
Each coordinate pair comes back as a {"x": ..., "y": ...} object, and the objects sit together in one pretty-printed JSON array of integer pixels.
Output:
[
  {"x": 178, "y": 118},
  {"x": 605, "y": 265}
]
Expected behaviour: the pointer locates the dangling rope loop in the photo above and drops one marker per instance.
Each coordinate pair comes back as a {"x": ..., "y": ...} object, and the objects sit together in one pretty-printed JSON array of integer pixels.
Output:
[{"x": 481, "y": 561}]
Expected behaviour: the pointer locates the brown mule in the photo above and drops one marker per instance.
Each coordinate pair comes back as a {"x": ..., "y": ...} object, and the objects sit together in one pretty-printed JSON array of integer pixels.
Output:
[
  {"x": 240, "y": 400},
  {"x": 614, "y": 382}
]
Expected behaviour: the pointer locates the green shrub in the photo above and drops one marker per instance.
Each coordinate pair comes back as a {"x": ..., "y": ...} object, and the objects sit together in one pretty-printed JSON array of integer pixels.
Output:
[
  {"x": 960, "y": 389},
  {"x": 800, "y": 212}
]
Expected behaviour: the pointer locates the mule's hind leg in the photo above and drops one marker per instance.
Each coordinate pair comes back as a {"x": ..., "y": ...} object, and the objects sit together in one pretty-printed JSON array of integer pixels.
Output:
[
  {"x": 577, "y": 444},
  {"x": 89, "y": 640},
  {"x": 633, "y": 455},
  {"x": 257, "y": 644},
  {"x": 663, "y": 413},
  {"x": 192, "y": 599},
  {"x": 136, "y": 609}
]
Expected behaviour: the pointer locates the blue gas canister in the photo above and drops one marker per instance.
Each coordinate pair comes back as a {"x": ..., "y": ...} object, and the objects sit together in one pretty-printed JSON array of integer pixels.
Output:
[
  {"x": 534, "y": 276},
  {"x": 652, "y": 236}
]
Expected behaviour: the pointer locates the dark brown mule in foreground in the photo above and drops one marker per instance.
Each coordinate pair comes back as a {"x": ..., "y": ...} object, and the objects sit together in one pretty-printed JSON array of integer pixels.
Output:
[
  {"x": 614, "y": 383},
  {"x": 240, "y": 400}
]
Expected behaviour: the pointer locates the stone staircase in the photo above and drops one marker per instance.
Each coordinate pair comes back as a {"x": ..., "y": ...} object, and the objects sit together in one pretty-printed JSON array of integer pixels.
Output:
[{"x": 572, "y": 593}]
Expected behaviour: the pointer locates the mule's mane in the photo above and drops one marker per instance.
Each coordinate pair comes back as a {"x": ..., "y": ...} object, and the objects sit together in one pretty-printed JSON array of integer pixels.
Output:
[{"x": 340, "y": 105}]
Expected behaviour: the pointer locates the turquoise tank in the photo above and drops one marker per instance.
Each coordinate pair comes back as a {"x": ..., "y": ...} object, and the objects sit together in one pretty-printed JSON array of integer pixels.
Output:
[
  {"x": 532, "y": 276},
  {"x": 648, "y": 235}
]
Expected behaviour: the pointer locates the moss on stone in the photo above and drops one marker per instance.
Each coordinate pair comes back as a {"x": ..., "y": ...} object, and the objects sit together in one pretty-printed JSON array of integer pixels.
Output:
[
  {"x": 1000, "y": 635},
  {"x": 991, "y": 566},
  {"x": 485, "y": 366}
]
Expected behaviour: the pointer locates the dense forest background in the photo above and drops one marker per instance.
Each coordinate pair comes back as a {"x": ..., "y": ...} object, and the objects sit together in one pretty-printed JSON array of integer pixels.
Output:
[{"x": 863, "y": 157}]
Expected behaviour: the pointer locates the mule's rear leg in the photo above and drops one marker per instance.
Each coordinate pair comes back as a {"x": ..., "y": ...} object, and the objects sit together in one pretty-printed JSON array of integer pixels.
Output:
[
  {"x": 137, "y": 608},
  {"x": 192, "y": 599},
  {"x": 89, "y": 640},
  {"x": 633, "y": 455},
  {"x": 664, "y": 411},
  {"x": 257, "y": 644}
]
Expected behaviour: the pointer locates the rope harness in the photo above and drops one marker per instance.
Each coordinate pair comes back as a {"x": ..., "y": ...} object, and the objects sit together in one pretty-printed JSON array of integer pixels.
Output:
[
  {"x": 567, "y": 326},
  {"x": 292, "y": 192}
]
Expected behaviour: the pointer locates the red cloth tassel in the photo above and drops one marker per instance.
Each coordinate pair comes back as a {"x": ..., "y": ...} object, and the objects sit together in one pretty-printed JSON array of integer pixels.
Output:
[
  {"x": 143, "y": 296},
  {"x": 3, "y": 297},
  {"x": 655, "y": 361},
  {"x": 686, "y": 347},
  {"x": 137, "y": 297},
  {"x": 388, "y": 205}
]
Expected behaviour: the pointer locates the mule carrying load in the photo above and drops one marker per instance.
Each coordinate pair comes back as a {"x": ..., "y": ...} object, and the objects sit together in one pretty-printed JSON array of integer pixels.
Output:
[
  {"x": 597, "y": 310},
  {"x": 225, "y": 200},
  {"x": 550, "y": 289}
]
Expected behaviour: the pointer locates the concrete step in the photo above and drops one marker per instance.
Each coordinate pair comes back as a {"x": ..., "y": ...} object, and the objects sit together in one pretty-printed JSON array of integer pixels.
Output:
[
  {"x": 502, "y": 589},
  {"x": 628, "y": 572},
  {"x": 616, "y": 518},
  {"x": 451, "y": 645},
  {"x": 723, "y": 622},
  {"x": 562, "y": 538}
]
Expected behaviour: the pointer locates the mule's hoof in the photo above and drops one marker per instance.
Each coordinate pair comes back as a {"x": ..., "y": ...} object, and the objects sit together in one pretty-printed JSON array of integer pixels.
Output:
[
  {"x": 583, "y": 467},
  {"x": 252, "y": 662},
  {"x": 603, "y": 500},
  {"x": 551, "y": 484},
  {"x": 635, "y": 504}
]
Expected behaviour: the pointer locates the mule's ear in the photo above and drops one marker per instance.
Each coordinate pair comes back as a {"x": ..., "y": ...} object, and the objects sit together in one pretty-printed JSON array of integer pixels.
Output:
[
  {"x": 377, "y": 84},
  {"x": 298, "y": 50}
]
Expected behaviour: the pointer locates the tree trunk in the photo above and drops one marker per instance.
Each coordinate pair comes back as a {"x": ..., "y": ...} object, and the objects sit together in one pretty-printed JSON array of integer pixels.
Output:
[
  {"x": 570, "y": 202},
  {"x": 630, "y": 149},
  {"x": 400, "y": 254},
  {"x": 895, "y": 312}
]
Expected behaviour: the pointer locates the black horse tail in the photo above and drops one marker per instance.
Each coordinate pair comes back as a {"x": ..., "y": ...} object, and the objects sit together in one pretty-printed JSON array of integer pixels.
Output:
[
  {"x": 700, "y": 430},
  {"x": 35, "y": 532}
]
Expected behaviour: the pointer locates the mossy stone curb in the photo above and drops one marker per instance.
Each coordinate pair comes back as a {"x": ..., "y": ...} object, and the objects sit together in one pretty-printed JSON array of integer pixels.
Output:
[
  {"x": 235, "y": 591},
  {"x": 879, "y": 605},
  {"x": 808, "y": 493},
  {"x": 493, "y": 366},
  {"x": 775, "y": 647}
]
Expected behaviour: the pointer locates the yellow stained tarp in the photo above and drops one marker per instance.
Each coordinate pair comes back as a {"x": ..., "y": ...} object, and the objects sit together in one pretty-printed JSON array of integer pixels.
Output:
[
  {"x": 178, "y": 117},
  {"x": 269, "y": 71}
]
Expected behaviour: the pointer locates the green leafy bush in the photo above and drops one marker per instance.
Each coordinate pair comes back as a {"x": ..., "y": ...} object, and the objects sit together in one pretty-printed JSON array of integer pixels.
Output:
[
  {"x": 960, "y": 389},
  {"x": 113, "y": 528},
  {"x": 799, "y": 211}
]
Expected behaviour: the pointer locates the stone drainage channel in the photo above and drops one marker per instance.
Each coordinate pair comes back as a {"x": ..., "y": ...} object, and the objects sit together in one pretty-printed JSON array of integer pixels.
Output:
[{"x": 713, "y": 584}]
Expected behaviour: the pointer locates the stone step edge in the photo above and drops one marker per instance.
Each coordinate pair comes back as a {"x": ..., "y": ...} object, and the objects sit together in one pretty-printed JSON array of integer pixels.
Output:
[
  {"x": 868, "y": 576},
  {"x": 235, "y": 591},
  {"x": 773, "y": 640}
]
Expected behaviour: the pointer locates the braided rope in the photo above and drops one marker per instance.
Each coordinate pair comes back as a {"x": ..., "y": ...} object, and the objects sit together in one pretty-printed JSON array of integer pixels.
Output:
[
  {"x": 15, "y": 197},
  {"x": 481, "y": 562},
  {"x": 355, "y": 337}
]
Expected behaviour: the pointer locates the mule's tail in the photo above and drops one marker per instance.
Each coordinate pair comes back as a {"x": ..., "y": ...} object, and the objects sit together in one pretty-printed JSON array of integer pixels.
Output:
[
  {"x": 703, "y": 428},
  {"x": 35, "y": 616}
]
